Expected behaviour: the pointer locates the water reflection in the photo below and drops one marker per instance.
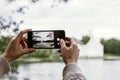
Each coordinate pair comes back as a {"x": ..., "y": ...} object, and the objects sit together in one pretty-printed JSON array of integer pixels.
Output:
[
  {"x": 100, "y": 70},
  {"x": 44, "y": 71},
  {"x": 93, "y": 70}
]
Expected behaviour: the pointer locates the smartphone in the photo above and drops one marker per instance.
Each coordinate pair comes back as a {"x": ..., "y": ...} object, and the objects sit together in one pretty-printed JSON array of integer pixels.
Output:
[{"x": 45, "y": 39}]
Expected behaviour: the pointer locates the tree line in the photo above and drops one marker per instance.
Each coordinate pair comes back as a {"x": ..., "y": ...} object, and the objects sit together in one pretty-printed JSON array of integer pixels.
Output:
[{"x": 111, "y": 46}]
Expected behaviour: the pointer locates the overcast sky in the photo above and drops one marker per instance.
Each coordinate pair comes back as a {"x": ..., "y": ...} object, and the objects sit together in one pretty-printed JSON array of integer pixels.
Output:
[{"x": 101, "y": 18}]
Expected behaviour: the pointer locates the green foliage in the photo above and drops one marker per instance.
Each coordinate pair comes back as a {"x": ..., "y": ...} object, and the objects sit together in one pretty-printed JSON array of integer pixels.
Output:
[
  {"x": 112, "y": 46},
  {"x": 85, "y": 39},
  {"x": 3, "y": 43},
  {"x": 14, "y": 65},
  {"x": 103, "y": 41},
  {"x": 41, "y": 53},
  {"x": 54, "y": 57}
]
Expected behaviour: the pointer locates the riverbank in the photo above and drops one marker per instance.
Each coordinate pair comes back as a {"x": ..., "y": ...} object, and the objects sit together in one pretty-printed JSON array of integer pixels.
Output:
[
  {"x": 36, "y": 60},
  {"x": 56, "y": 58},
  {"x": 111, "y": 57}
]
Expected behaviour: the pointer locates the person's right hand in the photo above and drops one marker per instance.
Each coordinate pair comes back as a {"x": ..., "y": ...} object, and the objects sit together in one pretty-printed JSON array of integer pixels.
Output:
[{"x": 69, "y": 52}]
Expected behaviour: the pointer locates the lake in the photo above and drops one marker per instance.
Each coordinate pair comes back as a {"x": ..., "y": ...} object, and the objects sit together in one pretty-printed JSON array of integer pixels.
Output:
[{"x": 95, "y": 69}]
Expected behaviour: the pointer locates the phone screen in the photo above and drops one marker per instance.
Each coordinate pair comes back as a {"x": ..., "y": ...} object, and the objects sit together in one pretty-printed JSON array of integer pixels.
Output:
[{"x": 45, "y": 39}]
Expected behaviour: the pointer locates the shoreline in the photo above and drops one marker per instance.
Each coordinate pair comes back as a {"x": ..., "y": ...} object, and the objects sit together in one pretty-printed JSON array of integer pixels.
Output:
[{"x": 37, "y": 60}]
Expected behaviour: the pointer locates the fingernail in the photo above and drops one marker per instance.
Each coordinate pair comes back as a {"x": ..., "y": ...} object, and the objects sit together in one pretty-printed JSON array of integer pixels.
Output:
[
  {"x": 61, "y": 40},
  {"x": 29, "y": 29}
]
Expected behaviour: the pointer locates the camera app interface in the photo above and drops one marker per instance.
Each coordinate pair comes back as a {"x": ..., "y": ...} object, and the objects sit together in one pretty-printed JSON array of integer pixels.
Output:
[{"x": 43, "y": 39}]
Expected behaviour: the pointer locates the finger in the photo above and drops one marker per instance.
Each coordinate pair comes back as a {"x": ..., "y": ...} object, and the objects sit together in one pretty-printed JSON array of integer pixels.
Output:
[
  {"x": 73, "y": 44},
  {"x": 59, "y": 51},
  {"x": 24, "y": 39},
  {"x": 30, "y": 50},
  {"x": 62, "y": 43},
  {"x": 20, "y": 35},
  {"x": 68, "y": 39},
  {"x": 68, "y": 44},
  {"x": 24, "y": 43}
]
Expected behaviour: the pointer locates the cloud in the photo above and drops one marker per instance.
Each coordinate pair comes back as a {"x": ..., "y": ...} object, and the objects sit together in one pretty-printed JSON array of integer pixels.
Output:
[{"x": 77, "y": 17}]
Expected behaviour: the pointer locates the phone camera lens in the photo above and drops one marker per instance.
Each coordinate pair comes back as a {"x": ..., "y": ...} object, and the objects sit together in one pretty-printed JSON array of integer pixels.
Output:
[
  {"x": 58, "y": 43},
  {"x": 58, "y": 39}
]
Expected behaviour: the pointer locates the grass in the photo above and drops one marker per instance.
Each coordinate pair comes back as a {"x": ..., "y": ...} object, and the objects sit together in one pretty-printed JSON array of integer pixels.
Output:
[
  {"x": 111, "y": 56},
  {"x": 51, "y": 58}
]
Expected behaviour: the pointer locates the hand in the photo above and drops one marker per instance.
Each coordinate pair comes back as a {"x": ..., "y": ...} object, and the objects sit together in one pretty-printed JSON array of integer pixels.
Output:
[
  {"x": 69, "y": 51},
  {"x": 17, "y": 47}
]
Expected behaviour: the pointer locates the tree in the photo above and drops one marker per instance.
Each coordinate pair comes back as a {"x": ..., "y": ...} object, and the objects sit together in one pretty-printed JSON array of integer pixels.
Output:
[
  {"x": 112, "y": 46},
  {"x": 103, "y": 41},
  {"x": 85, "y": 39},
  {"x": 3, "y": 43}
]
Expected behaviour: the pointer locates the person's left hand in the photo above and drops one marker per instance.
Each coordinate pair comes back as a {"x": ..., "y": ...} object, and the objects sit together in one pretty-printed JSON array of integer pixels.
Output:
[{"x": 17, "y": 47}]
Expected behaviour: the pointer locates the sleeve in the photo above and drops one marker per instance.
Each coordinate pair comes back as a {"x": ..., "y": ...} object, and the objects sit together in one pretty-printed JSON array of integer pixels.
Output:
[
  {"x": 4, "y": 66},
  {"x": 72, "y": 72}
]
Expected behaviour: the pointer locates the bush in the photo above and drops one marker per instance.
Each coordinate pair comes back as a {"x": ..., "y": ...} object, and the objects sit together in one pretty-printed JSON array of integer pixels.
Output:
[{"x": 112, "y": 46}]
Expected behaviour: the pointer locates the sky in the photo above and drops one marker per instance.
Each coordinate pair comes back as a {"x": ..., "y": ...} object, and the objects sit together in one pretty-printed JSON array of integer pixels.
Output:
[{"x": 99, "y": 18}]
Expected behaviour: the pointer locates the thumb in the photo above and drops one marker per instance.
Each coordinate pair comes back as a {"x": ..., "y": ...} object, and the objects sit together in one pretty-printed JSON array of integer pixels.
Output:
[
  {"x": 62, "y": 43},
  {"x": 30, "y": 50}
]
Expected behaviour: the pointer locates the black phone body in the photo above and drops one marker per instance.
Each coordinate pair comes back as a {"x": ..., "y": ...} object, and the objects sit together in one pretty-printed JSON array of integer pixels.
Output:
[{"x": 45, "y": 39}]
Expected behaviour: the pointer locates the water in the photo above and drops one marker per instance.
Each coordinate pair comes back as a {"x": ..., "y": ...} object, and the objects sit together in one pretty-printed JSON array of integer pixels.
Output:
[
  {"x": 101, "y": 70},
  {"x": 92, "y": 69}
]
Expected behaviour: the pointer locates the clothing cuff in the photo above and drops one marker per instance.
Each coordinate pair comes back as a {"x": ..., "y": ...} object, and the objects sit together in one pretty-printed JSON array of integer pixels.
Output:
[
  {"x": 71, "y": 67},
  {"x": 7, "y": 63},
  {"x": 71, "y": 63},
  {"x": 5, "y": 66}
]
